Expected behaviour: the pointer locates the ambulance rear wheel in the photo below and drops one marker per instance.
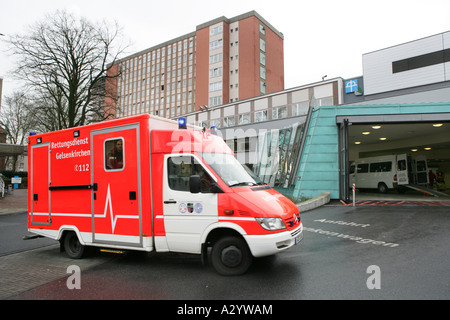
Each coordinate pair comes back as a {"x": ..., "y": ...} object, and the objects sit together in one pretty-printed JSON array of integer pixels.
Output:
[
  {"x": 230, "y": 256},
  {"x": 73, "y": 247}
]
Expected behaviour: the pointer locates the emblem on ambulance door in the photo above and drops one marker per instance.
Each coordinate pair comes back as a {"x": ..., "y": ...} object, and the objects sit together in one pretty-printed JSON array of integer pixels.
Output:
[
  {"x": 182, "y": 207},
  {"x": 198, "y": 207}
]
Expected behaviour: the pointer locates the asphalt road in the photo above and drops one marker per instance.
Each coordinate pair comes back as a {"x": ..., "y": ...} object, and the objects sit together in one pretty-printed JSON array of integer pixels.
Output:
[
  {"x": 13, "y": 227},
  {"x": 347, "y": 253}
]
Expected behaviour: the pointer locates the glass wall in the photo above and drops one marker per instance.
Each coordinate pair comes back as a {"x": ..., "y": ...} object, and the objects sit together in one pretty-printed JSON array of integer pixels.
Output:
[{"x": 277, "y": 152}]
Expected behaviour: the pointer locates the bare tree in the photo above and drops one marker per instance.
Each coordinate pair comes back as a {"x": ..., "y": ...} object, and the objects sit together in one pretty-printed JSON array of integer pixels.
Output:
[
  {"x": 65, "y": 61},
  {"x": 16, "y": 118}
]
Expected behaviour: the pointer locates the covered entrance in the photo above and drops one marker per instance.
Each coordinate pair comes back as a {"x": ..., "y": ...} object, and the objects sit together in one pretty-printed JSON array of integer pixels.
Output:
[
  {"x": 335, "y": 138},
  {"x": 420, "y": 143}
]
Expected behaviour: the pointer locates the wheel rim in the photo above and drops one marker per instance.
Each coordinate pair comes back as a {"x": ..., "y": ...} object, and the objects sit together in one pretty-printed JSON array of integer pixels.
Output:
[{"x": 231, "y": 256}]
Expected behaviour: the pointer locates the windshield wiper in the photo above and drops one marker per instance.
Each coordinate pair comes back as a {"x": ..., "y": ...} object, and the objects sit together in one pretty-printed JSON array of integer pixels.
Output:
[{"x": 242, "y": 184}]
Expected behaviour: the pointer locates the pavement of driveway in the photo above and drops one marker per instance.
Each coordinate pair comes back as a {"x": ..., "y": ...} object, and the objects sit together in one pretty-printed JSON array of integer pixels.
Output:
[{"x": 14, "y": 202}]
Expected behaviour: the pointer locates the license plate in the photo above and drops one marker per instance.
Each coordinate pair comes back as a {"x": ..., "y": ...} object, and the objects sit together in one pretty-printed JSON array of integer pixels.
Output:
[{"x": 299, "y": 238}]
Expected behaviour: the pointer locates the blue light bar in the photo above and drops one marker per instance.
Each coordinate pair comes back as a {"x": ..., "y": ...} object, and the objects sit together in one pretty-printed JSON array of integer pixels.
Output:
[{"x": 182, "y": 123}]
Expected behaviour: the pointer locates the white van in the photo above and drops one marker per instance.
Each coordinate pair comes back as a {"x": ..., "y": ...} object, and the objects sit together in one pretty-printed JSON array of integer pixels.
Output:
[{"x": 388, "y": 172}]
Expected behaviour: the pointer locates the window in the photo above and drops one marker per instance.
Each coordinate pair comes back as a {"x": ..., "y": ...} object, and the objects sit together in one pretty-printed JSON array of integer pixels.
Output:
[
  {"x": 262, "y": 58},
  {"x": 229, "y": 169},
  {"x": 262, "y": 87},
  {"x": 280, "y": 112},
  {"x": 244, "y": 118},
  {"x": 363, "y": 168},
  {"x": 215, "y": 123},
  {"x": 113, "y": 151},
  {"x": 381, "y": 166},
  {"x": 421, "y": 165},
  {"x": 262, "y": 29},
  {"x": 215, "y": 101},
  {"x": 261, "y": 116},
  {"x": 216, "y": 72},
  {"x": 216, "y": 30},
  {"x": 262, "y": 45},
  {"x": 216, "y": 44},
  {"x": 300, "y": 108},
  {"x": 215, "y": 86},
  {"x": 401, "y": 164},
  {"x": 228, "y": 121},
  {"x": 215, "y": 58},
  {"x": 262, "y": 72},
  {"x": 421, "y": 61},
  {"x": 352, "y": 169},
  {"x": 180, "y": 168}
]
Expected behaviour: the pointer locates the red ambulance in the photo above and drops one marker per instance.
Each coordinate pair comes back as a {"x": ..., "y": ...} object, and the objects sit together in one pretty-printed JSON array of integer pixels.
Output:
[{"x": 151, "y": 184}]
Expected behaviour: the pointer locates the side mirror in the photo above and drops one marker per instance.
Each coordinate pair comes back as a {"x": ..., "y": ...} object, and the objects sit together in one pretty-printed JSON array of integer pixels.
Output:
[{"x": 194, "y": 184}]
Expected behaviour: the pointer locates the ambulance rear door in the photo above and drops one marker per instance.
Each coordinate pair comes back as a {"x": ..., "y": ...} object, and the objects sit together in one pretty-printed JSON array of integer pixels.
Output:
[
  {"x": 40, "y": 181},
  {"x": 116, "y": 192},
  {"x": 402, "y": 169}
]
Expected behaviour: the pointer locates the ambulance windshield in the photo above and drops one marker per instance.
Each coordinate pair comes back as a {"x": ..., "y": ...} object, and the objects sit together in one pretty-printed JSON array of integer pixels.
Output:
[{"x": 230, "y": 170}]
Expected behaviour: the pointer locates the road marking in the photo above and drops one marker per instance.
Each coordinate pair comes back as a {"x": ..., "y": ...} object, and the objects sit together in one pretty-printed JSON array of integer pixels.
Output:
[{"x": 354, "y": 238}]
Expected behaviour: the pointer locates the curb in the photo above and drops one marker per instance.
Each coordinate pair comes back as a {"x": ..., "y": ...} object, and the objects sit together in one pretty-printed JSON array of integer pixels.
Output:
[
  {"x": 314, "y": 203},
  {"x": 12, "y": 211}
]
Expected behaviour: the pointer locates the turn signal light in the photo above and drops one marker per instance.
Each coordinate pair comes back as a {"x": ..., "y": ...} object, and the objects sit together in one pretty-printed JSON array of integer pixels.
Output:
[{"x": 229, "y": 212}]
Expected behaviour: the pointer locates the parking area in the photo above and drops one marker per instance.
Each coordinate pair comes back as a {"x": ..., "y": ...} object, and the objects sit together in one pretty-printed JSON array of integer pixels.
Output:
[
  {"x": 362, "y": 252},
  {"x": 409, "y": 243}
]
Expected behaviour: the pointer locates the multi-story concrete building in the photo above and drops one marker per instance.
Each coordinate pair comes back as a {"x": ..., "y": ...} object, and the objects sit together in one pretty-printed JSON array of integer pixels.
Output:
[{"x": 224, "y": 60}]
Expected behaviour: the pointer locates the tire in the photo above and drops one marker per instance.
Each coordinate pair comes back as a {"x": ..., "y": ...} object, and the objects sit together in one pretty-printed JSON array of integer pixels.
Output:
[
  {"x": 230, "y": 256},
  {"x": 382, "y": 187},
  {"x": 74, "y": 249}
]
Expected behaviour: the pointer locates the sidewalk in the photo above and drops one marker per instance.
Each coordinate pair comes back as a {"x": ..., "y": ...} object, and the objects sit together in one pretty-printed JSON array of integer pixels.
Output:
[{"x": 14, "y": 202}]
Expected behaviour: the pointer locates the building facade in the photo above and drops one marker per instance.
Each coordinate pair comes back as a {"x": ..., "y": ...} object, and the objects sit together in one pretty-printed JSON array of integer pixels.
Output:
[
  {"x": 224, "y": 60},
  {"x": 267, "y": 132}
]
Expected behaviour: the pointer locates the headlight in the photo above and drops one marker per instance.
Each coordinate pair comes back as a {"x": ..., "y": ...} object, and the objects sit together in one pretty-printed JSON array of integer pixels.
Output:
[{"x": 271, "y": 224}]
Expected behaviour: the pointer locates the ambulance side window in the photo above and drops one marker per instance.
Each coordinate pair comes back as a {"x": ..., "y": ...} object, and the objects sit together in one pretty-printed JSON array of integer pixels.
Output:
[
  {"x": 180, "y": 168},
  {"x": 114, "y": 159}
]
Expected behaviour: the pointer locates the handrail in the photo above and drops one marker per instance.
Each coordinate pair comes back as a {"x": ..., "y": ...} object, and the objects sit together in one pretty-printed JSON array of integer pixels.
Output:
[{"x": 73, "y": 187}]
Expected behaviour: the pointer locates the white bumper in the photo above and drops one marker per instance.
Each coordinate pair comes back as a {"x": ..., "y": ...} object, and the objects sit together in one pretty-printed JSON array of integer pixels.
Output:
[{"x": 269, "y": 244}]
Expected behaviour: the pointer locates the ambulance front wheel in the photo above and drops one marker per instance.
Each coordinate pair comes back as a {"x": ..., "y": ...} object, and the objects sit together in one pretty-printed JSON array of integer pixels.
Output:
[
  {"x": 231, "y": 256},
  {"x": 73, "y": 247}
]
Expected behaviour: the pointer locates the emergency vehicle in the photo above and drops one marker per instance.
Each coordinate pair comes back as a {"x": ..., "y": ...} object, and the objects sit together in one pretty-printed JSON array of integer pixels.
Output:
[
  {"x": 396, "y": 171},
  {"x": 152, "y": 184}
]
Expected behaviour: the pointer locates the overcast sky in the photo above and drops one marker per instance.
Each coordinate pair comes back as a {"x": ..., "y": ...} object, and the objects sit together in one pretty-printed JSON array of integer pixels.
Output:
[{"x": 321, "y": 37}]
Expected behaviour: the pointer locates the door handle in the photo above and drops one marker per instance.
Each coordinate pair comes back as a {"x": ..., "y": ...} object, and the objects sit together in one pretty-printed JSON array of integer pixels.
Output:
[{"x": 170, "y": 202}]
